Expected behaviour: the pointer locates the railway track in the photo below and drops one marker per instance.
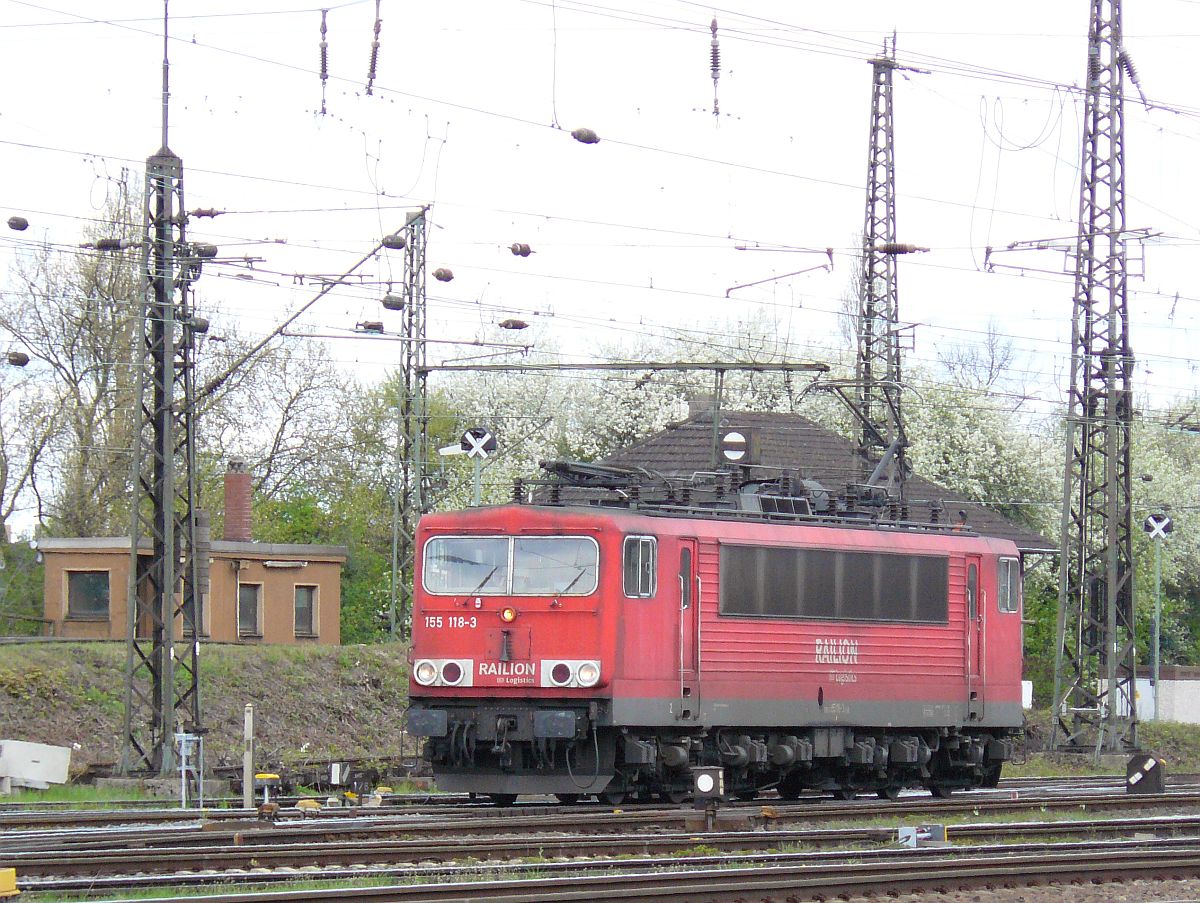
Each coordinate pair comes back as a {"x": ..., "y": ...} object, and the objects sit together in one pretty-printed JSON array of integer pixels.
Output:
[
  {"x": 366, "y": 825},
  {"x": 795, "y": 875}
]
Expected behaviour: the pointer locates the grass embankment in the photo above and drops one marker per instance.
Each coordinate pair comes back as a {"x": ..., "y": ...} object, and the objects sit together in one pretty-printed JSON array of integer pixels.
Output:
[
  {"x": 1177, "y": 744},
  {"x": 312, "y": 703}
]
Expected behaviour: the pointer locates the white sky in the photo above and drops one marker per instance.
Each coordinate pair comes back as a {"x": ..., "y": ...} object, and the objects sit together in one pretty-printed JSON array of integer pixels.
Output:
[{"x": 637, "y": 233}]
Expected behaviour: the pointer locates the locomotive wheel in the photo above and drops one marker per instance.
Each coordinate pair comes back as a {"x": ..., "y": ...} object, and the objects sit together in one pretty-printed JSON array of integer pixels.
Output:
[
  {"x": 845, "y": 793},
  {"x": 991, "y": 776},
  {"x": 888, "y": 793},
  {"x": 940, "y": 791},
  {"x": 747, "y": 796},
  {"x": 673, "y": 797},
  {"x": 503, "y": 799},
  {"x": 567, "y": 799},
  {"x": 612, "y": 797}
]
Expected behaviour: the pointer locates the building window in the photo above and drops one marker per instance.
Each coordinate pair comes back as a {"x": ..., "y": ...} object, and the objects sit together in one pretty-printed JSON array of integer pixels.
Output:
[
  {"x": 640, "y": 566},
  {"x": 87, "y": 595},
  {"x": 193, "y": 615},
  {"x": 250, "y": 609},
  {"x": 1009, "y": 572},
  {"x": 306, "y": 611}
]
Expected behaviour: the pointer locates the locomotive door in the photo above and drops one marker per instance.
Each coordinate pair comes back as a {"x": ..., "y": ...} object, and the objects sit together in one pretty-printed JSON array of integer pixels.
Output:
[
  {"x": 975, "y": 651},
  {"x": 689, "y": 631}
]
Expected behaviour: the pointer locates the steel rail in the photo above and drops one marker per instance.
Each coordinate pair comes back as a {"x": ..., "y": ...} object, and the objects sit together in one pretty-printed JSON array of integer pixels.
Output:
[{"x": 793, "y": 881}]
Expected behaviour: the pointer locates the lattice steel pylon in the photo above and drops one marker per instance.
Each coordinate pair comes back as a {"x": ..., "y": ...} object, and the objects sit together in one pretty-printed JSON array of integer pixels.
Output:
[
  {"x": 412, "y": 424},
  {"x": 1094, "y": 680},
  {"x": 882, "y": 439},
  {"x": 162, "y": 678},
  {"x": 162, "y": 662}
]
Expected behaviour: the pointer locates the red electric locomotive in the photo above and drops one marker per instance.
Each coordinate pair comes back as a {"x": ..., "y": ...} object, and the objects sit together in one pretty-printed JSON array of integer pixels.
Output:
[{"x": 608, "y": 646}]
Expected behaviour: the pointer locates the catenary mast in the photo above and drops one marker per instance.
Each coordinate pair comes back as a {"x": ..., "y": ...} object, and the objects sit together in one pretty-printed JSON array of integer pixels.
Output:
[
  {"x": 1095, "y": 658},
  {"x": 162, "y": 673}
]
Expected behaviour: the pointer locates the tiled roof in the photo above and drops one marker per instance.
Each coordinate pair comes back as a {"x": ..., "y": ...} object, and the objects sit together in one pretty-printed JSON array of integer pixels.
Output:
[{"x": 792, "y": 441}]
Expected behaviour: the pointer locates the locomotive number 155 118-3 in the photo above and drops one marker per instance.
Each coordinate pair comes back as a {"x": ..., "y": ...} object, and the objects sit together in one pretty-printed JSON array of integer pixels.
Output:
[{"x": 460, "y": 622}]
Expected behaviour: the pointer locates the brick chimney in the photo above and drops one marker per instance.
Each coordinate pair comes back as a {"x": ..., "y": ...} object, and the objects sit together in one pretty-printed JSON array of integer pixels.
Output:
[{"x": 237, "y": 502}]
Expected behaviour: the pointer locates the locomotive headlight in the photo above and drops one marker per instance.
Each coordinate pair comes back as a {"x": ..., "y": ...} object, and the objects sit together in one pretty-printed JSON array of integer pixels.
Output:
[
  {"x": 508, "y": 615},
  {"x": 425, "y": 673},
  {"x": 560, "y": 674},
  {"x": 452, "y": 674},
  {"x": 588, "y": 674}
]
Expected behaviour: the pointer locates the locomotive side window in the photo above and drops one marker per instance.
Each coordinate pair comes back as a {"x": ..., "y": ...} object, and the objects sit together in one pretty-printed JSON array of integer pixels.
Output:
[
  {"x": 505, "y": 565},
  {"x": 554, "y": 566},
  {"x": 972, "y": 591},
  {"x": 640, "y": 566},
  {"x": 466, "y": 565},
  {"x": 779, "y": 582},
  {"x": 1009, "y": 595}
]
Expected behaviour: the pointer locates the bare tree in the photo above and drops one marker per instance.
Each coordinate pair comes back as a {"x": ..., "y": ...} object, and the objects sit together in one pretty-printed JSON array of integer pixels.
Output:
[
  {"x": 985, "y": 365},
  {"x": 74, "y": 314},
  {"x": 26, "y": 427}
]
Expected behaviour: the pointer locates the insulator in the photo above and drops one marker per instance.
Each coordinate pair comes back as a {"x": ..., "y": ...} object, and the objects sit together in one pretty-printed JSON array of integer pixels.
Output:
[
  {"x": 895, "y": 247},
  {"x": 208, "y": 212},
  {"x": 18, "y": 358},
  {"x": 441, "y": 274},
  {"x": 513, "y": 324},
  {"x": 520, "y": 249},
  {"x": 371, "y": 67},
  {"x": 111, "y": 244},
  {"x": 393, "y": 302},
  {"x": 585, "y": 136},
  {"x": 373, "y": 326},
  {"x": 394, "y": 242},
  {"x": 324, "y": 46},
  {"x": 198, "y": 325},
  {"x": 18, "y": 223},
  {"x": 204, "y": 250}
]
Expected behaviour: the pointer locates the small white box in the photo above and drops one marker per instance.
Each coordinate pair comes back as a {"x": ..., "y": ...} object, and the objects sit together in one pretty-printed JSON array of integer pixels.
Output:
[{"x": 34, "y": 764}]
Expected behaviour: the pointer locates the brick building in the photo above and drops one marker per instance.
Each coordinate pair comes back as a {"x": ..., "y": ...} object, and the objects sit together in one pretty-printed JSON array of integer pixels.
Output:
[{"x": 258, "y": 592}]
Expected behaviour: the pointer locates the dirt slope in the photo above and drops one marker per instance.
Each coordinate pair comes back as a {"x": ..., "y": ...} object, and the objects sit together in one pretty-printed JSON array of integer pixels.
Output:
[{"x": 314, "y": 702}]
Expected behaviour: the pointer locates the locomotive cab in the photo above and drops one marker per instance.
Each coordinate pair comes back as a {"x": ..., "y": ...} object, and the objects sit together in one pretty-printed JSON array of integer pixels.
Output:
[{"x": 513, "y": 651}]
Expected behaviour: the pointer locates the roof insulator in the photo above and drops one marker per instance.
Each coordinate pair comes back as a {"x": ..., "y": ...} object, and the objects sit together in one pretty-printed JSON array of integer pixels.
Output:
[
  {"x": 513, "y": 324},
  {"x": 18, "y": 223},
  {"x": 441, "y": 274},
  {"x": 372, "y": 326},
  {"x": 18, "y": 358},
  {"x": 895, "y": 247},
  {"x": 393, "y": 302},
  {"x": 520, "y": 250},
  {"x": 585, "y": 136},
  {"x": 111, "y": 244},
  {"x": 394, "y": 242},
  {"x": 204, "y": 250}
]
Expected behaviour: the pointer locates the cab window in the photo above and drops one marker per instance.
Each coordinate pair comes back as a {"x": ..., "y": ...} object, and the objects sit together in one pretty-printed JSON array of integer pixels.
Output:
[
  {"x": 511, "y": 566},
  {"x": 640, "y": 560},
  {"x": 467, "y": 565},
  {"x": 1009, "y": 578}
]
